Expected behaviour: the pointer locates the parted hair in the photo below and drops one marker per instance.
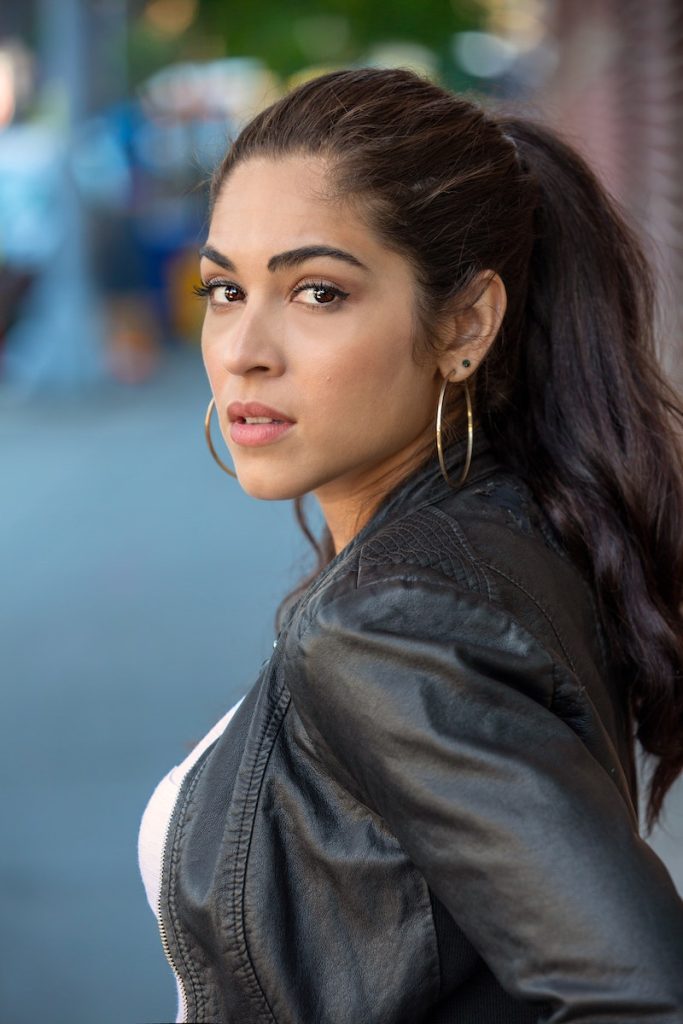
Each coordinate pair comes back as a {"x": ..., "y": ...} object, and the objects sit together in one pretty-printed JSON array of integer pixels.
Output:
[{"x": 570, "y": 393}]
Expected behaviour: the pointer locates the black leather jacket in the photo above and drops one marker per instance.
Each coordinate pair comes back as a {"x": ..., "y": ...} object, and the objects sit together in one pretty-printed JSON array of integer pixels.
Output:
[{"x": 423, "y": 810}]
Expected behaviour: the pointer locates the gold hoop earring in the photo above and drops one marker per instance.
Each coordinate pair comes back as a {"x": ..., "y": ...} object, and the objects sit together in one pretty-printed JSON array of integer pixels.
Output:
[
  {"x": 207, "y": 433},
  {"x": 439, "y": 435}
]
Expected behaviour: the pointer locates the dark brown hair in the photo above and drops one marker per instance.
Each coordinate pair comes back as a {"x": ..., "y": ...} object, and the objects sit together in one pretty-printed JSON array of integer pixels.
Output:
[{"x": 570, "y": 394}]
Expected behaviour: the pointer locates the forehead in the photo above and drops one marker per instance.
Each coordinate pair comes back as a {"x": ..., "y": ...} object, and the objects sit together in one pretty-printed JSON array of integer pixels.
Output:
[{"x": 277, "y": 203}]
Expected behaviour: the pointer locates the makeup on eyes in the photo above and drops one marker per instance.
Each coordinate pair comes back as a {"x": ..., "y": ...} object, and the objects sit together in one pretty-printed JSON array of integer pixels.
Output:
[{"x": 206, "y": 290}]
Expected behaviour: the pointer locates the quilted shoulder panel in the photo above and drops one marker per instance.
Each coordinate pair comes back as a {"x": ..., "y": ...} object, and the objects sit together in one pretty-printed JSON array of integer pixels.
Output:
[{"x": 429, "y": 540}]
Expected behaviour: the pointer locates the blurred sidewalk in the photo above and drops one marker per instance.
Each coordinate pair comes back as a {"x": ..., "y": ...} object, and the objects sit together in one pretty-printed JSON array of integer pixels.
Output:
[{"x": 137, "y": 599}]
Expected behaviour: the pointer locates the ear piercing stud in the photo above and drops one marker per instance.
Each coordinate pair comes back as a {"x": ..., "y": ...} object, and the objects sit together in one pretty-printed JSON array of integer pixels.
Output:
[{"x": 465, "y": 362}]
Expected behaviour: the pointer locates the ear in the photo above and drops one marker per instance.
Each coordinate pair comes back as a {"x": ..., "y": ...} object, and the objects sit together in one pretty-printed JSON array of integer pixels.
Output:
[{"x": 470, "y": 333}]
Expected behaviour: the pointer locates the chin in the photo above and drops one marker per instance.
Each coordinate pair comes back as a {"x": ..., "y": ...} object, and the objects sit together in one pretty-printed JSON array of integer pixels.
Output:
[{"x": 268, "y": 488}]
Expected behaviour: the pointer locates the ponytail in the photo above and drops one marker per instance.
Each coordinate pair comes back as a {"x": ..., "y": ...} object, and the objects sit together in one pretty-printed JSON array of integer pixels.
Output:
[{"x": 593, "y": 430}]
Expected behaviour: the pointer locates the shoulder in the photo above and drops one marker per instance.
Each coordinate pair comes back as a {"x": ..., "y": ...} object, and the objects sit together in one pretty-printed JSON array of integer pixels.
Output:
[
  {"x": 473, "y": 598},
  {"x": 422, "y": 590},
  {"x": 489, "y": 542}
]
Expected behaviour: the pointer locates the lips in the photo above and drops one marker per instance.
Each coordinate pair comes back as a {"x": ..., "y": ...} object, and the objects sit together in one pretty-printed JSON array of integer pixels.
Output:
[
  {"x": 240, "y": 412},
  {"x": 253, "y": 424}
]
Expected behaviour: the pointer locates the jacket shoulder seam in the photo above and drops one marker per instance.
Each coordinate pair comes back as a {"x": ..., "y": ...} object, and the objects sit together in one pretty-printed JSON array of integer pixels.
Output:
[
  {"x": 411, "y": 544},
  {"x": 541, "y": 607},
  {"x": 464, "y": 545}
]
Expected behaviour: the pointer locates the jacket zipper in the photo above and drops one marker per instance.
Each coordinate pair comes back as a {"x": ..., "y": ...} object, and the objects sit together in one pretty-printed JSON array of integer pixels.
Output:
[
  {"x": 162, "y": 927},
  {"x": 165, "y": 945}
]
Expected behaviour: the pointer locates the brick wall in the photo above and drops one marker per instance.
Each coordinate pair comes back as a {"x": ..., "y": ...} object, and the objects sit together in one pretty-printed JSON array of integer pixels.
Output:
[{"x": 617, "y": 92}]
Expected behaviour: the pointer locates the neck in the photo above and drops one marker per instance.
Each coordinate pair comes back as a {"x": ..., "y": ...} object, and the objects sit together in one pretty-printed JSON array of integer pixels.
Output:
[{"x": 349, "y": 504}]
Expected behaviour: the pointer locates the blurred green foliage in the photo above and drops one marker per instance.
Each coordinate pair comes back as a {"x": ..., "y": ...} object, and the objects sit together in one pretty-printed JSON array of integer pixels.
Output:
[{"x": 295, "y": 34}]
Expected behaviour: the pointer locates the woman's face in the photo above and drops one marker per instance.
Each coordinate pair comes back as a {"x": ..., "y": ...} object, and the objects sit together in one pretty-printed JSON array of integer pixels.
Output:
[{"x": 323, "y": 340}]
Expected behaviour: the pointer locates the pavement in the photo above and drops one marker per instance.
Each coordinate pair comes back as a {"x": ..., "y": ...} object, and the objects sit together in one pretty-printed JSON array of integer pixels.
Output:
[{"x": 137, "y": 594}]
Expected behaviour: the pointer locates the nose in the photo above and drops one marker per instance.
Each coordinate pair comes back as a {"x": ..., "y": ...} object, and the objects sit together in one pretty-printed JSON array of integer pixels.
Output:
[{"x": 250, "y": 344}]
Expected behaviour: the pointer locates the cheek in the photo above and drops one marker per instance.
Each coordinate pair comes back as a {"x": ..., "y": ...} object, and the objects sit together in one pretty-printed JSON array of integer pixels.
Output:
[
  {"x": 371, "y": 379},
  {"x": 375, "y": 349}
]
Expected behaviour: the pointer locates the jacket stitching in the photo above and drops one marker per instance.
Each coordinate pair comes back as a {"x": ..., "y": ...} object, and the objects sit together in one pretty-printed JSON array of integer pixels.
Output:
[
  {"x": 477, "y": 564},
  {"x": 420, "y": 541},
  {"x": 408, "y": 575},
  {"x": 330, "y": 572},
  {"x": 614, "y": 770},
  {"x": 191, "y": 971},
  {"x": 542, "y": 608},
  {"x": 244, "y": 836},
  {"x": 283, "y": 710},
  {"x": 238, "y": 890}
]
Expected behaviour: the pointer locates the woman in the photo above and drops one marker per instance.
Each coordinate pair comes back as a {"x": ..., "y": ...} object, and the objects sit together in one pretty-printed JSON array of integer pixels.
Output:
[{"x": 433, "y": 319}]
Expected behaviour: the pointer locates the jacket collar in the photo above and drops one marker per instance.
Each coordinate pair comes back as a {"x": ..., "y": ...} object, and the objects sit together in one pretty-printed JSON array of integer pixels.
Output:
[{"x": 426, "y": 486}]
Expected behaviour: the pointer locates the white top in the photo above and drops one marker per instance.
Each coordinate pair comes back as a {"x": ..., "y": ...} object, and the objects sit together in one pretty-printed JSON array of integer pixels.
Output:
[{"x": 157, "y": 818}]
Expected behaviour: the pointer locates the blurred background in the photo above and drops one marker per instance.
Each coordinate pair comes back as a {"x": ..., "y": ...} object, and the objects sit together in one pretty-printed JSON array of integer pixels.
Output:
[{"x": 138, "y": 584}]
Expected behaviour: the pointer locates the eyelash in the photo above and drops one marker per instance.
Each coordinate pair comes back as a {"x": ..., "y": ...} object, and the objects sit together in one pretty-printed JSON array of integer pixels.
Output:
[
  {"x": 324, "y": 287},
  {"x": 205, "y": 290}
]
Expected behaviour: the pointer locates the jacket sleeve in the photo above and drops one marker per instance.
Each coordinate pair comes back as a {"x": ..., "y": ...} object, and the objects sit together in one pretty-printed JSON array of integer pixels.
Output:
[{"x": 433, "y": 707}]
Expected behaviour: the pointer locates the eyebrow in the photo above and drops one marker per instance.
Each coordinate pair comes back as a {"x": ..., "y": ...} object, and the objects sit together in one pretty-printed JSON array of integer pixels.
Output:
[{"x": 291, "y": 258}]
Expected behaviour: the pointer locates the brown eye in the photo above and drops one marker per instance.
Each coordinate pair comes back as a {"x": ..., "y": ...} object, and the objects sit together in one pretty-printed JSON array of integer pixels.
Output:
[
  {"x": 220, "y": 293},
  {"x": 317, "y": 293},
  {"x": 324, "y": 295},
  {"x": 224, "y": 293}
]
